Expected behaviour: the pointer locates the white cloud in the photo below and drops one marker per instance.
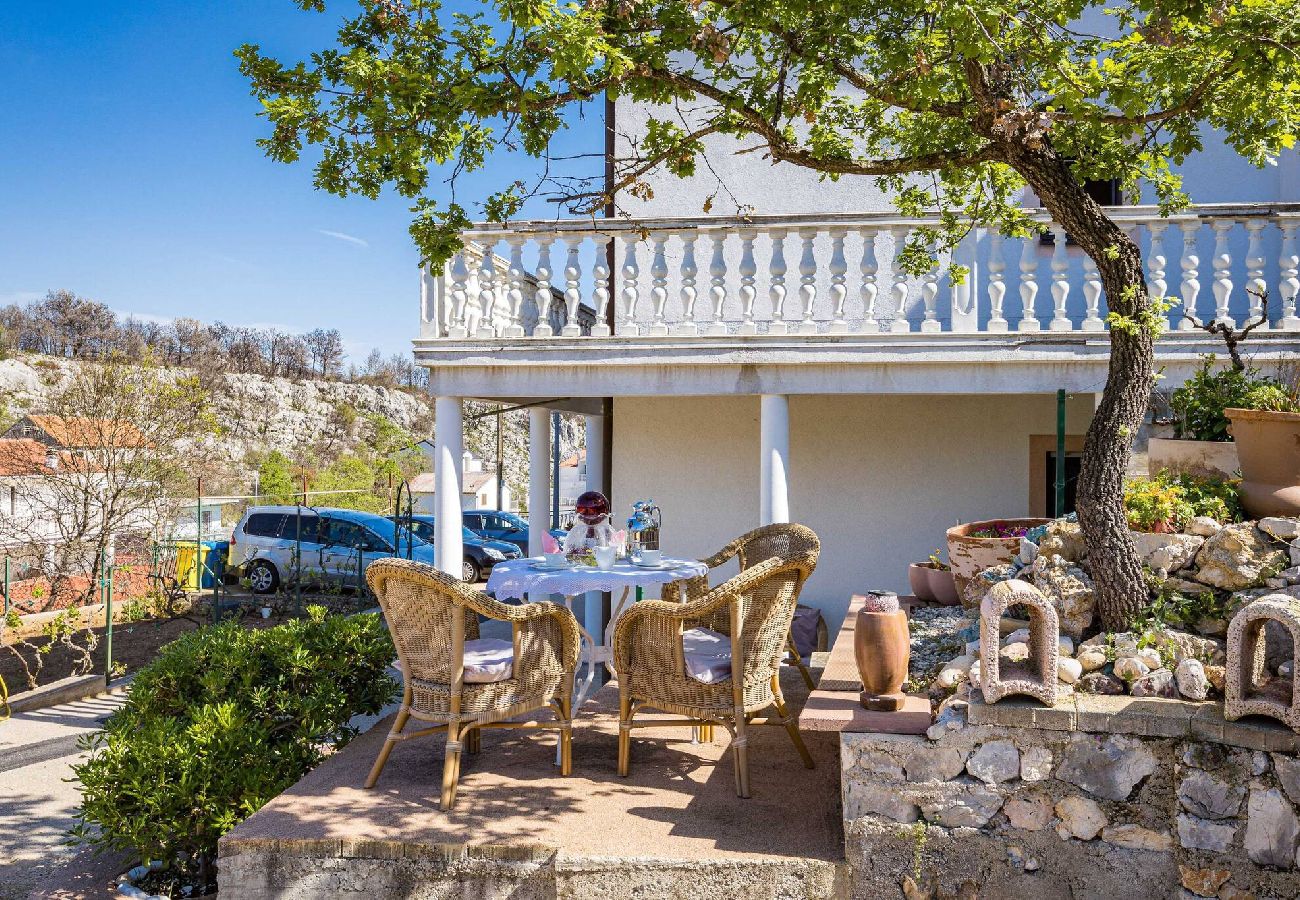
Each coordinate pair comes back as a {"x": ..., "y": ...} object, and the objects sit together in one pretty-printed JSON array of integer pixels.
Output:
[{"x": 339, "y": 235}]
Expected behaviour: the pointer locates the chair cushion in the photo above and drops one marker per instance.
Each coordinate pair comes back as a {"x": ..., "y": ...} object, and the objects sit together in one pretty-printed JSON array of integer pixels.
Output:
[
  {"x": 488, "y": 660},
  {"x": 707, "y": 654}
]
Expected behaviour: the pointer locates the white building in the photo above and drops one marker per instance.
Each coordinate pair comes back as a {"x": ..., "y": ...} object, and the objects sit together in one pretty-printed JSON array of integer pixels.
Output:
[
  {"x": 478, "y": 488},
  {"x": 780, "y": 367}
]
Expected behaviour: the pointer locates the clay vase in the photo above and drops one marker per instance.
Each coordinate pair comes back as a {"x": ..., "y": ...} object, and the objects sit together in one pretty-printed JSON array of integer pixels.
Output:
[
  {"x": 944, "y": 587},
  {"x": 970, "y": 555},
  {"x": 1268, "y": 446},
  {"x": 918, "y": 578},
  {"x": 882, "y": 648}
]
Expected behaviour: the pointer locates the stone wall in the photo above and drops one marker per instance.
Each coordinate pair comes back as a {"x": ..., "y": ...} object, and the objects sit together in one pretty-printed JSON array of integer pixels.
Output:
[{"x": 992, "y": 810}]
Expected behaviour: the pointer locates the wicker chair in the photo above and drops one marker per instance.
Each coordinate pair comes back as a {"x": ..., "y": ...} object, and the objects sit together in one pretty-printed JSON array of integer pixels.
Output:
[
  {"x": 754, "y": 609},
  {"x": 430, "y": 616},
  {"x": 751, "y": 548}
]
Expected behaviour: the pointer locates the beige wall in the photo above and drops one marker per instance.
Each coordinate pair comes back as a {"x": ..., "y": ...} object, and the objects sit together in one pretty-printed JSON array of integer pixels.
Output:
[{"x": 879, "y": 478}]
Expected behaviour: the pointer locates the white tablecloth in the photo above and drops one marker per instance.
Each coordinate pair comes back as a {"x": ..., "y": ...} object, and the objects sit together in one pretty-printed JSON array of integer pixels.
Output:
[{"x": 516, "y": 578}]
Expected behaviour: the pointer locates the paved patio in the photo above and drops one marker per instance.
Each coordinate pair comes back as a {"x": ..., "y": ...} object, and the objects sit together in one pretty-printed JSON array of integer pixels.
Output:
[{"x": 676, "y": 812}]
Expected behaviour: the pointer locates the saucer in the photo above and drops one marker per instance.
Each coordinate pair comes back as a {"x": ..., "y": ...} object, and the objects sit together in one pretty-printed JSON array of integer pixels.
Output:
[
  {"x": 662, "y": 564},
  {"x": 543, "y": 566}
]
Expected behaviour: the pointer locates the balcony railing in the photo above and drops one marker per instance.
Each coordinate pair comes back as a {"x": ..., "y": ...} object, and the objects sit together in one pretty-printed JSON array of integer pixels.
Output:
[{"x": 784, "y": 275}]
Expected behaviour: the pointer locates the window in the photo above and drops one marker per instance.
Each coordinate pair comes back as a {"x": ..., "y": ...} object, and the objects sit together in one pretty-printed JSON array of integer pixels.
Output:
[
  {"x": 264, "y": 524},
  {"x": 290, "y": 530},
  {"x": 473, "y": 521},
  {"x": 1072, "y": 463}
]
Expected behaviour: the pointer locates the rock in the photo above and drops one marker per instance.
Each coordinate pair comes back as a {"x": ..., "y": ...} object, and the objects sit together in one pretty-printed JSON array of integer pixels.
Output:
[
  {"x": 868, "y": 799},
  {"x": 1019, "y": 636},
  {"x": 1069, "y": 589},
  {"x": 1295, "y": 552},
  {"x": 1080, "y": 818},
  {"x": 934, "y": 764},
  {"x": 1184, "y": 646},
  {"x": 1203, "y": 526},
  {"x": 1169, "y": 552},
  {"x": 1271, "y": 829},
  {"x": 1125, "y": 643},
  {"x": 1203, "y": 882},
  {"x": 1192, "y": 681},
  {"x": 951, "y": 716},
  {"x": 1035, "y": 764},
  {"x": 1016, "y": 652},
  {"x": 1279, "y": 528},
  {"x": 1210, "y": 797},
  {"x": 1130, "y": 668},
  {"x": 1101, "y": 683},
  {"x": 974, "y": 674},
  {"x": 879, "y": 764},
  {"x": 1217, "y": 676},
  {"x": 1091, "y": 660},
  {"x": 949, "y": 678},
  {"x": 1068, "y": 670},
  {"x": 1187, "y": 588},
  {"x": 1275, "y": 583},
  {"x": 1021, "y": 860},
  {"x": 1236, "y": 558},
  {"x": 1285, "y": 670},
  {"x": 1204, "y": 755},
  {"x": 994, "y": 762},
  {"x": 1151, "y": 657},
  {"x": 1157, "y": 683},
  {"x": 1109, "y": 767},
  {"x": 1290, "y": 575},
  {"x": 1063, "y": 539},
  {"x": 1288, "y": 775},
  {"x": 1135, "y": 837},
  {"x": 1258, "y": 763},
  {"x": 1198, "y": 834},
  {"x": 983, "y": 582},
  {"x": 1229, "y": 892},
  {"x": 970, "y": 808},
  {"x": 1031, "y": 811},
  {"x": 1064, "y": 645}
]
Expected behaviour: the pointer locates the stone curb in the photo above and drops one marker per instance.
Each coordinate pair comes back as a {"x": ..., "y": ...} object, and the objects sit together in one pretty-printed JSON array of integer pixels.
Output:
[{"x": 65, "y": 690}]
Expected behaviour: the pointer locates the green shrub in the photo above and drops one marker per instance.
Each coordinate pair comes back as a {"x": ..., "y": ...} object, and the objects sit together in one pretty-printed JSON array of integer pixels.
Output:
[
  {"x": 1151, "y": 506},
  {"x": 1200, "y": 402},
  {"x": 221, "y": 722},
  {"x": 1168, "y": 501}
]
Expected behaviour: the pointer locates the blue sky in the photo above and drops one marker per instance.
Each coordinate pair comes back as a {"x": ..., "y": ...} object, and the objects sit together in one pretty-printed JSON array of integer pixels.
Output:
[{"x": 129, "y": 174}]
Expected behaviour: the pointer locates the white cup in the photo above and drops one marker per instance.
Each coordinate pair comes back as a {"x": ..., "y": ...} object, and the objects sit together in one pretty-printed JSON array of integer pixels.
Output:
[
  {"x": 554, "y": 559},
  {"x": 651, "y": 557},
  {"x": 604, "y": 558}
]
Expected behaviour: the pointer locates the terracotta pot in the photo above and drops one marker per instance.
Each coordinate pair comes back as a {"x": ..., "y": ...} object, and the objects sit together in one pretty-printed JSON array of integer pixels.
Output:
[
  {"x": 1216, "y": 459},
  {"x": 969, "y": 556},
  {"x": 943, "y": 586},
  {"x": 1268, "y": 445},
  {"x": 918, "y": 577},
  {"x": 882, "y": 648}
]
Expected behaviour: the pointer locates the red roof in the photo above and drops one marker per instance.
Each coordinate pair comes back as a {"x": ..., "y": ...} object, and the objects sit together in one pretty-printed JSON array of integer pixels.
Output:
[
  {"x": 82, "y": 433},
  {"x": 22, "y": 456}
]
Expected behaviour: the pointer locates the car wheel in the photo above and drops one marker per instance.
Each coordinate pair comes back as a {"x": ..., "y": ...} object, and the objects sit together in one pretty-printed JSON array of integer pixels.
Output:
[
  {"x": 263, "y": 578},
  {"x": 469, "y": 571}
]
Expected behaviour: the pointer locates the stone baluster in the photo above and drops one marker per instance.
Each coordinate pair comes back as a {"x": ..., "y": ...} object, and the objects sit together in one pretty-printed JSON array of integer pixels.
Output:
[
  {"x": 718, "y": 282},
  {"x": 659, "y": 280},
  {"x": 515, "y": 292},
  {"x": 1256, "y": 286},
  {"x": 776, "y": 273},
  {"x": 898, "y": 289},
  {"x": 459, "y": 297},
  {"x": 1288, "y": 285},
  {"x": 487, "y": 294},
  {"x": 600, "y": 285},
  {"x": 929, "y": 296},
  {"x": 627, "y": 323},
  {"x": 1190, "y": 263},
  {"x": 1092, "y": 296},
  {"x": 997, "y": 265},
  {"x": 688, "y": 291},
  {"x": 543, "y": 296},
  {"x": 572, "y": 287},
  {"x": 1060, "y": 281},
  {"x": 869, "y": 267},
  {"x": 1222, "y": 272},
  {"x": 1029, "y": 283},
  {"x": 839, "y": 267},
  {"x": 1157, "y": 287},
  {"x": 748, "y": 269},
  {"x": 808, "y": 281}
]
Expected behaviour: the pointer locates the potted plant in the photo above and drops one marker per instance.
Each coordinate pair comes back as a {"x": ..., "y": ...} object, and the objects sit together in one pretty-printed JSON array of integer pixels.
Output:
[
  {"x": 932, "y": 581},
  {"x": 918, "y": 578},
  {"x": 1201, "y": 444},
  {"x": 977, "y": 546},
  {"x": 1267, "y": 431}
]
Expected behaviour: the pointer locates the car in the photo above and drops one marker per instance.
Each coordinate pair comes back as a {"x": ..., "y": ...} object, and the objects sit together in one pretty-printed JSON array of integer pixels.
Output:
[
  {"x": 336, "y": 545},
  {"x": 497, "y": 525},
  {"x": 481, "y": 555}
]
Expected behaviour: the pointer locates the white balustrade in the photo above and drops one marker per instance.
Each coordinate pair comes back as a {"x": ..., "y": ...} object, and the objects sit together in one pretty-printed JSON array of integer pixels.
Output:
[{"x": 504, "y": 286}]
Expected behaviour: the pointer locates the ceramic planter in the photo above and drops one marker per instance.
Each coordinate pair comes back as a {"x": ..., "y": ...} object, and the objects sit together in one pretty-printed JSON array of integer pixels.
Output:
[
  {"x": 1268, "y": 446},
  {"x": 882, "y": 649},
  {"x": 943, "y": 586},
  {"x": 1216, "y": 459},
  {"x": 918, "y": 578},
  {"x": 970, "y": 555}
]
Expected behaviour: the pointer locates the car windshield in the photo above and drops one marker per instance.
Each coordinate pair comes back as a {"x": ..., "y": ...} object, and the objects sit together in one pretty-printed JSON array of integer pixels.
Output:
[{"x": 429, "y": 530}]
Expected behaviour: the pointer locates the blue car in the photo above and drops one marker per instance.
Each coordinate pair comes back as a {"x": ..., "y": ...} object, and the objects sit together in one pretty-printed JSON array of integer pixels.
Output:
[
  {"x": 480, "y": 554},
  {"x": 495, "y": 525}
]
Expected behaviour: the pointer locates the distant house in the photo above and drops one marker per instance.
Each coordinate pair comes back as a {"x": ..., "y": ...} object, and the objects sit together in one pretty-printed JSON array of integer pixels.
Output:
[
  {"x": 189, "y": 518},
  {"x": 23, "y": 463},
  {"x": 72, "y": 433},
  {"x": 573, "y": 478},
  {"x": 478, "y": 488}
]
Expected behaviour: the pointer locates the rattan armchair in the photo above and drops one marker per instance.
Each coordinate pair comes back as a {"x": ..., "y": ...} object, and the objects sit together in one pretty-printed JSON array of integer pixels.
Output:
[
  {"x": 430, "y": 616},
  {"x": 777, "y": 540},
  {"x": 754, "y": 610}
]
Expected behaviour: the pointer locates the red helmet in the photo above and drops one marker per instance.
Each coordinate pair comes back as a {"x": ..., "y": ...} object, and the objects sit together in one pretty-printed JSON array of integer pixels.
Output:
[{"x": 592, "y": 507}]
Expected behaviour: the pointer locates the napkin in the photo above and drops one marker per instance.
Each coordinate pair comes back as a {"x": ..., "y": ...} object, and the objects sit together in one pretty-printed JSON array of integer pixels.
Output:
[{"x": 549, "y": 543}]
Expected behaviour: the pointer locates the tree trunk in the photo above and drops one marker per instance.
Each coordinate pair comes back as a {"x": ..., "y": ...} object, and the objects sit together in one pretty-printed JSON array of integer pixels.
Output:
[{"x": 1114, "y": 564}]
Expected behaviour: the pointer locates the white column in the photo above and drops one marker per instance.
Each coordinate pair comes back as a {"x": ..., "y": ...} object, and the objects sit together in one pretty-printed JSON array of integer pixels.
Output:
[
  {"x": 774, "y": 435},
  {"x": 448, "y": 444},
  {"x": 539, "y": 477}
]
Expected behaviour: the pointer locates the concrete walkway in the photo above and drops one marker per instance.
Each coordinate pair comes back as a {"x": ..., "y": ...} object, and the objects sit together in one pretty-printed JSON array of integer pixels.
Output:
[{"x": 37, "y": 751}]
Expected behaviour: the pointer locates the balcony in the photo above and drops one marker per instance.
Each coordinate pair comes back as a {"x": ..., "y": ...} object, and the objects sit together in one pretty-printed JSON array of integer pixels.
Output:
[{"x": 773, "y": 290}]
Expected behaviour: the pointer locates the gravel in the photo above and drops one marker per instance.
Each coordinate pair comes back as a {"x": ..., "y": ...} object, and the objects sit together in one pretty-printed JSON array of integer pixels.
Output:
[{"x": 938, "y": 635}]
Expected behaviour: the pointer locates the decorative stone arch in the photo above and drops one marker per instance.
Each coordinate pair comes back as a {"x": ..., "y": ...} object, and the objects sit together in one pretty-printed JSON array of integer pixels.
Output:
[
  {"x": 1036, "y": 677},
  {"x": 1247, "y": 692}
]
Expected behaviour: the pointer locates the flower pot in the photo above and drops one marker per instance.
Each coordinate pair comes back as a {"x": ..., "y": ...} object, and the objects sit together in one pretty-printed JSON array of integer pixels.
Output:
[
  {"x": 1216, "y": 459},
  {"x": 918, "y": 577},
  {"x": 266, "y": 612},
  {"x": 943, "y": 586},
  {"x": 970, "y": 555},
  {"x": 1268, "y": 446},
  {"x": 882, "y": 649}
]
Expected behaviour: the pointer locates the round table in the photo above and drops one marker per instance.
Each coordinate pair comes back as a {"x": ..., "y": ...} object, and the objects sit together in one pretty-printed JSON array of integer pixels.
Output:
[{"x": 519, "y": 578}]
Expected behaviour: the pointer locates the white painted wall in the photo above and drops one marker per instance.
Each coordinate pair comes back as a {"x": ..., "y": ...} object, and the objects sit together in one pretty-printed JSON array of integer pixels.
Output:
[{"x": 879, "y": 478}]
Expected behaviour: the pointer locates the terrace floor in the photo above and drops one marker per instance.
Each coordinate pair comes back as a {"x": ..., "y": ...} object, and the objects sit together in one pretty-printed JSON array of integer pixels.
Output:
[{"x": 677, "y": 812}]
